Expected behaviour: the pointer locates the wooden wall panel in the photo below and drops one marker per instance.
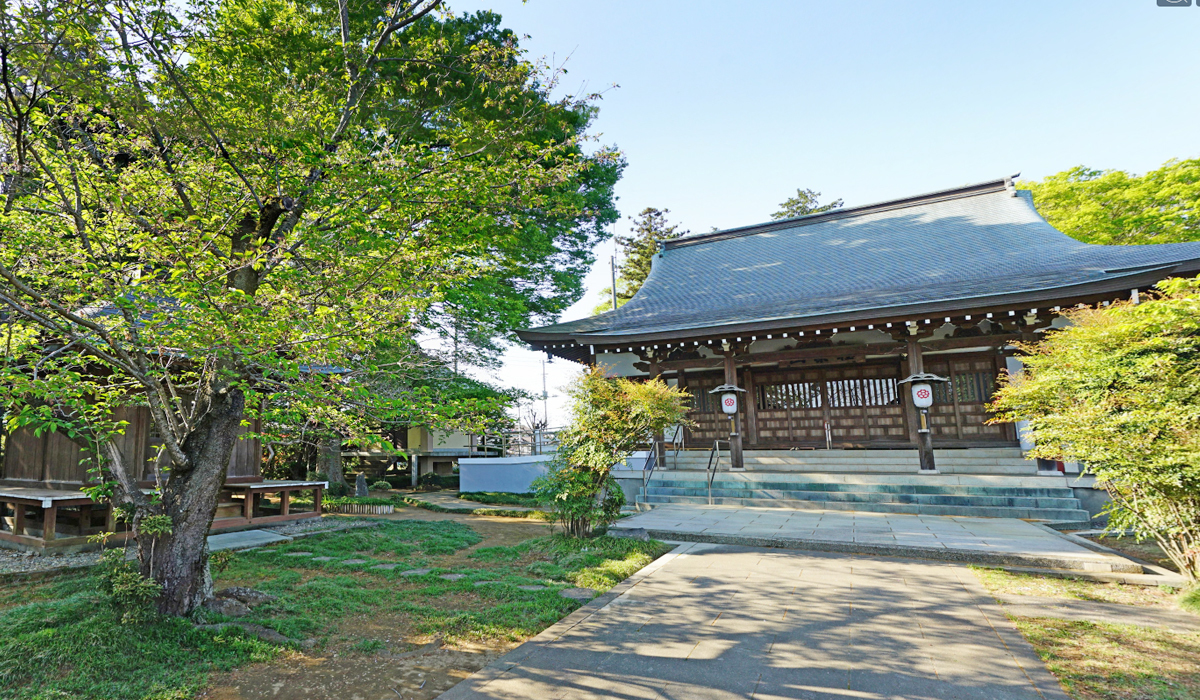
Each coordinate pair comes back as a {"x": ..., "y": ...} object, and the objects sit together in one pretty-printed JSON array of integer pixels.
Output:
[
  {"x": 64, "y": 460},
  {"x": 23, "y": 456}
]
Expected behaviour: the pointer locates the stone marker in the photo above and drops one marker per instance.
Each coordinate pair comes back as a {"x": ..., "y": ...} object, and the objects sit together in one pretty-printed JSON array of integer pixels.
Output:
[
  {"x": 532, "y": 588},
  {"x": 632, "y": 533},
  {"x": 355, "y": 561},
  {"x": 415, "y": 572},
  {"x": 298, "y": 554},
  {"x": 360, "y": 485},
  {"x": 385, "y": 567},
  {"x": 452, "y": 577},
  {"x": 230, "y": 607},
  {"x": 584, "y": 594},
  {"x": 249, "y": 596}
]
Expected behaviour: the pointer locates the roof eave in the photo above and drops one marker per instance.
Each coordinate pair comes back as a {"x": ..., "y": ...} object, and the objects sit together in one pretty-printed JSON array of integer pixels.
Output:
[{"x": 958, "y": 305}]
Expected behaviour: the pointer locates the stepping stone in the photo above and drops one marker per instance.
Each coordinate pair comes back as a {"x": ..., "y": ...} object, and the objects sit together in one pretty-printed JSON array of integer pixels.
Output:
[
  {"x": 485, "y": 583},
  {"x": 583, "y": 594},
  {"x": 324, "y": 558},
  {"x": 415, "y": 572},
  {"x": 298, "y": 554},
  {"x": 452, "y": 577},
  {"x": 355, "y": 561},
  {"x": 532, "y": 588},
  {"x": 385, "y": 567}
]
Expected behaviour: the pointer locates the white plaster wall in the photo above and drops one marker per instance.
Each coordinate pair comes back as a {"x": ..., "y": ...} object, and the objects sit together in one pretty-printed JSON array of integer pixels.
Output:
[
  {"x": 619, "y": 364},
  {"x": 501, "y": 474}
]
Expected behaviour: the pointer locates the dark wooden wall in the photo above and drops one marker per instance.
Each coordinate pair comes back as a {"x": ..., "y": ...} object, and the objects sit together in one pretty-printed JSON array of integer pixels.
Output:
[{"x": 52, "y": 460}]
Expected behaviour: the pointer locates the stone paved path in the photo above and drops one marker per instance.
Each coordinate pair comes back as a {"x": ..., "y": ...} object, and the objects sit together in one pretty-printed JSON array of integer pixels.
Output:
[
  {"x": 724, "y": 622},
  {"x": 903, "y": 535}
]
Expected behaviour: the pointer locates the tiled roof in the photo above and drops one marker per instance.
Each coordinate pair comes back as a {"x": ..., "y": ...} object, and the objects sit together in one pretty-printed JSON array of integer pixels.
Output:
[{"x": 957, "y": 248}]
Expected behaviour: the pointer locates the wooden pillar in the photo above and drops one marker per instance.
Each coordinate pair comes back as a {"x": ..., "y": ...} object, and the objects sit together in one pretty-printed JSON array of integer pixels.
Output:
[
  {"x": 85, "y": 520},
  {"x": 49, "y": 522},
  {"x": 657, "y": 440},
  {"x": 751, "y": 401},
  {"x": 924, "y": 430},
  {"x": 735, "y": 437},
  {"x": 912, "y": 363},
  {"x": 248, "y": 505},
  {"x": 682, "y": 384},
  {"x": 285, "y": 502},
  {"x": 317, "y": 500},
  {"x": 18, "y": 518}
]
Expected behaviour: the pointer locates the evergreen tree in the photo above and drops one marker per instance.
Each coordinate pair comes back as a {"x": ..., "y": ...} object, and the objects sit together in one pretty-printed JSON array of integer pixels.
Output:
[
  {"x": 804, "y": 203},
  {"x": 650, "y": 230}
]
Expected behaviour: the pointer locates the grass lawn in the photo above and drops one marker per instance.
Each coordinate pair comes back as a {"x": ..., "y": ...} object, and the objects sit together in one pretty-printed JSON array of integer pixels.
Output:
[
  {"x": 62, "y": 640},
  {"x": 998, "y": 581},
  {"x": 1099, "y": 660},
  {"x": 1096, "y": 660},
  {"x": 525, "y": 500}
]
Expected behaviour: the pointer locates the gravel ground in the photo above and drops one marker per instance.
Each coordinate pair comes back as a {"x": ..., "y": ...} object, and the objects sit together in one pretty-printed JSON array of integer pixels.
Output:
[{"x": 12, "y": 562}]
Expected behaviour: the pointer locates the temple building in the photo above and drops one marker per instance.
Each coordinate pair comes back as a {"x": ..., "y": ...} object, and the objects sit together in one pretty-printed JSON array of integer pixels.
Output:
[{"x": 818, "y": 318}]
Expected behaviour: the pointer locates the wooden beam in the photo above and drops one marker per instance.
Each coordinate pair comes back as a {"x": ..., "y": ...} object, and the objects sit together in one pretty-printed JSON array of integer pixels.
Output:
[
  {"x": 49, "y": 522},
  {"x": 285, "y": 502}
]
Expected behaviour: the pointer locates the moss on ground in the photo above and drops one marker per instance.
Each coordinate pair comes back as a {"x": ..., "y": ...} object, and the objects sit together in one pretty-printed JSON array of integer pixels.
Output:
[{"x": 62, "y": 638}]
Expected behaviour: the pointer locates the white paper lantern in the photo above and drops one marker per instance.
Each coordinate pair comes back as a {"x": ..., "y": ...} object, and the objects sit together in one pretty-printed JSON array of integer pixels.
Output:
[{"x": 922, "y": 394}]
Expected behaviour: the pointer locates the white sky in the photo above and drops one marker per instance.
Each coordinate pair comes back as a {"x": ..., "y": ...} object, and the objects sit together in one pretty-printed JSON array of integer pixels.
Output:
[{"x": 725, "y": 109}]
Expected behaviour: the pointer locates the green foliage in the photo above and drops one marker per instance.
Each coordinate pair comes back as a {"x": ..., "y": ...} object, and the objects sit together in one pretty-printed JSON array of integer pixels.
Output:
[
  {"x": 804, "y": 203},
  {"x": 214, "y": 207},
  {"x": 578, "y": 499},
  {"x": 130, "y": 594},
  {"x": 1116, "y": 207},
  {"x": 362, "y": 501},
  {"x": 610, "y": 418},
  {"x": 1120, "y": 392},
  {"x": 1190, "y": 601},
  {"x": 337, "y": 490},
  {"x": 434, "y": 482},
  {"x": 526, "y": 500},
  {"x": 381, "y": 485},
  {"x": 650, "y": 230},
  {"x": 221, "y": 559}
]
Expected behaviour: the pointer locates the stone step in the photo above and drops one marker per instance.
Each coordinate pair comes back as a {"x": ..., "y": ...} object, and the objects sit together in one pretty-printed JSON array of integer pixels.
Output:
[
  {"x": 920, "y": 489},
  {"x": 1053, "y": 514},
  {"x": 981, "y": 501},
  {"x": 866, "y": 478}
]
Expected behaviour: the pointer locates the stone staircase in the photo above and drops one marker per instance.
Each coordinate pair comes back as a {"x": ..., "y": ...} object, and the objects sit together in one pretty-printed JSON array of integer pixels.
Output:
[{"x": 993, "y": 483}]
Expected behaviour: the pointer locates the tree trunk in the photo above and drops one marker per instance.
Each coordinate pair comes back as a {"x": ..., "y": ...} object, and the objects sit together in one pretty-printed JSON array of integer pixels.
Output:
[
  {"x": 331, "y": 462},
  {"x": 179, "y": 560}
]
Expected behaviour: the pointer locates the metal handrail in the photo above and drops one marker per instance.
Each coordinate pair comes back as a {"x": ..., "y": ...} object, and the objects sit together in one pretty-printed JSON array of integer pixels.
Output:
[
  {"x": 648, "y": 467},
  {"x": 715, "y": 452}
]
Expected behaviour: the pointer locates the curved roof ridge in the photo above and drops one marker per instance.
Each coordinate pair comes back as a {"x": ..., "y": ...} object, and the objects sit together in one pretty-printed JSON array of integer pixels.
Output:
[{"x": 972, "y": 190}]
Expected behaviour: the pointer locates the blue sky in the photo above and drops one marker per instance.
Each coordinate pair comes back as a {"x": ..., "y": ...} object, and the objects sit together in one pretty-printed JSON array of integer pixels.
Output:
[{"x": 724, "y": 109}]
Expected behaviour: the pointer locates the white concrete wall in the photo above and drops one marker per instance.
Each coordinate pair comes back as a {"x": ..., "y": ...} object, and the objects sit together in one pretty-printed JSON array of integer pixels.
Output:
[{"x": 501, "y": 474}]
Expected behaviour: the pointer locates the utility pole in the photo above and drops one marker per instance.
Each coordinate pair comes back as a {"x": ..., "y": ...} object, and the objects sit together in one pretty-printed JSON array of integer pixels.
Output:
[
  {"x": 545, "y": 397},
  {"x": 613, "y": 265}
]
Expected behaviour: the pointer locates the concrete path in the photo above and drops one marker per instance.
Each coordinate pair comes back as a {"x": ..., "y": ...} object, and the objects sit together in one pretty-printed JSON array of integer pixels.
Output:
[
  {"x": 724, "y": 622},
  {"x": 449, "y": 499},
  {"x": 244, "y": 539},
  {"x": 995, "y": 541}
]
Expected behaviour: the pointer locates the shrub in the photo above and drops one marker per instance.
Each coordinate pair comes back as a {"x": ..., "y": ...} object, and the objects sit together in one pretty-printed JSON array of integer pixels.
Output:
[
  {"x": 610, "y": 419},
  {"x": 381, "y": 485},
  {"x": 580, "y": 500},
  {"x": 128, "y": 591},
  {"x": 1118, "y": 392},
  {"x": 337, "y": 489}
]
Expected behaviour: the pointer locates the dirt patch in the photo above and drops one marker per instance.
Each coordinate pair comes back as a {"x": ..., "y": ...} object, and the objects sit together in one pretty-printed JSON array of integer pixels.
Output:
[
  {"x": 393, "y": 671},
  {"x": 357, "y": 677}
]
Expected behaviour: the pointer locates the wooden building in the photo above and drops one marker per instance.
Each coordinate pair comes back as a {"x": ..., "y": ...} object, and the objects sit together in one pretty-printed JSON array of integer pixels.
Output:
[
  {"x": 819, "y": 317},
  {"x": 43, "y": 508}
]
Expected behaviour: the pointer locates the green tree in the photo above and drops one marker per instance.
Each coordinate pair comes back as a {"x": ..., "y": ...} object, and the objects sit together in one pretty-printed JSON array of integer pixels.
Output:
[
  {"x": 1118, "y": 391},
  {"x": 650, "y": 230},
  {"x": 804, "y": 203},
  {"x": 214, "y": 206},
  {"x": 1114, "y": 207},
  {"x": 610, "y": 418}
]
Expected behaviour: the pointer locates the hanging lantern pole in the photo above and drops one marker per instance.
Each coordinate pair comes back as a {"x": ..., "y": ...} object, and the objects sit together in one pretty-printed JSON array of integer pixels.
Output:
[{"x": 922, "y": 395}]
